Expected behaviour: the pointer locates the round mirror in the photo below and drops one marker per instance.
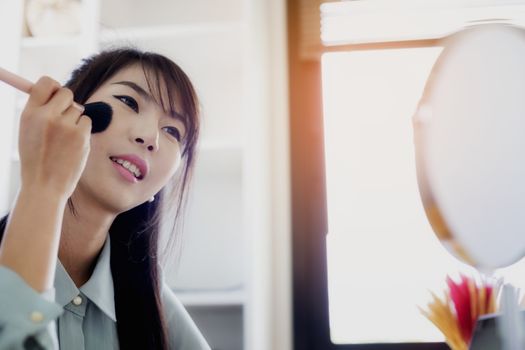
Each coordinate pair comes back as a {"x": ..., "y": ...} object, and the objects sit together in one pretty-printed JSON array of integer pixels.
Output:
[{"x": 469, "y": 133}]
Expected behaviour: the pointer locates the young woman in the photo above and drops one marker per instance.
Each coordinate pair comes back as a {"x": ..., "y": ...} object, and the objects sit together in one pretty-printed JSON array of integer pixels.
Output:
[{"x": 79, "y": 265}]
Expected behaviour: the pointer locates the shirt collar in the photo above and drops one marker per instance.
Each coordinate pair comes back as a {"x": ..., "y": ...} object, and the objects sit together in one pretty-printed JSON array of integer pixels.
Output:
[{"x": 98, "y": 289}]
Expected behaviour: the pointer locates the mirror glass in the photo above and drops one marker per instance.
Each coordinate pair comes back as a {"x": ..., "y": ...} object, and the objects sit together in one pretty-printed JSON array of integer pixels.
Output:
[{"x": 470, "y": 145}]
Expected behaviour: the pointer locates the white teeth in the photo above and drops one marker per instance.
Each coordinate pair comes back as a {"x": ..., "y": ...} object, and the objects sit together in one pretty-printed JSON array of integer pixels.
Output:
[{"x": 130, "y": 166}]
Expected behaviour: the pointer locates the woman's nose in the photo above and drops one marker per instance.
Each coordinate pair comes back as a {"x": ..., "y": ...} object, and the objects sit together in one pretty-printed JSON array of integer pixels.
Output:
[{"x": 151, "y": 146}]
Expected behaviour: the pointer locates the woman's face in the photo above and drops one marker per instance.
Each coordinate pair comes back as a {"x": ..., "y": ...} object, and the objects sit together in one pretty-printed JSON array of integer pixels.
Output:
[{"x": 140, "y": 150}]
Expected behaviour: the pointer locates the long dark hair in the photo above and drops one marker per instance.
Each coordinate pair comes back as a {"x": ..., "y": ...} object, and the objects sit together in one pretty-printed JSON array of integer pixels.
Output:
[{"x": 135, "y": 233}]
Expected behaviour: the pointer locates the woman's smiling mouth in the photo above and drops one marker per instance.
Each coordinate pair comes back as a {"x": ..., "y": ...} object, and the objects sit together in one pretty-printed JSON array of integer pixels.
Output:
[{"x": 132, "y": 167}]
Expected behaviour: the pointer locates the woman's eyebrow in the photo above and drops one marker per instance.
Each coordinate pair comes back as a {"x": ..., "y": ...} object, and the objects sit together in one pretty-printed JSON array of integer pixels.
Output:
[{"x": 138, "y": 89}]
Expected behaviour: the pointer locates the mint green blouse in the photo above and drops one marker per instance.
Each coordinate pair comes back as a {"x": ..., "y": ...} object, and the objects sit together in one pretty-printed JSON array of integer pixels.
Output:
[{"x": 68, "y": 317}]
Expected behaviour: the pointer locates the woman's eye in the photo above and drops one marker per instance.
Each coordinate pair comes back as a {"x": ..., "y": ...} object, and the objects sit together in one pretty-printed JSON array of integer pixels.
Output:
[
  {"x": 173, "y": 132},
  {"x": 128, "y": 101}
]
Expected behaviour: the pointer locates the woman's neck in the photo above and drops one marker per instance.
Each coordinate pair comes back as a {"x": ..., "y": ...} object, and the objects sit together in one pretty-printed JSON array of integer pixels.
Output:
[{"x": 83, "y": 236}]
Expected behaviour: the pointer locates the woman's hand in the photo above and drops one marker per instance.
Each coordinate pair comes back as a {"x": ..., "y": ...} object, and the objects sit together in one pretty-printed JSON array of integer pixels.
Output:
[
  {"x": 54, "y": 139},
  {"x": 53, "y": 144}
]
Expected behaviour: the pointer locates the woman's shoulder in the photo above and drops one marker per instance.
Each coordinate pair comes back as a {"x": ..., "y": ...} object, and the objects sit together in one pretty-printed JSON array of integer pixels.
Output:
[
  {"x": 173, "y": 307},
  {"x": 183, "y": 333}
]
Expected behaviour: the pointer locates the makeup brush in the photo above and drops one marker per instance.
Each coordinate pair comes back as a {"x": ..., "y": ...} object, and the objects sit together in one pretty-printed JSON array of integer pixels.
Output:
[{"x": 99, "y": 112}]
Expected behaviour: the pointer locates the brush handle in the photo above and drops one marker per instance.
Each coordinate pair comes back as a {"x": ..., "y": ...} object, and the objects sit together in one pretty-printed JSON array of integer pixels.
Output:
[
  {"x": 22, "y": 84},
  {"x": 15, "y": 81}
]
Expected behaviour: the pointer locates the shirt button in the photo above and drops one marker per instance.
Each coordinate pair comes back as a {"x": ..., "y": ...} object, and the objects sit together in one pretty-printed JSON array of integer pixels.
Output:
[
  {"x": 77, "y": 300},
  {"x": 36, "y": 317}
]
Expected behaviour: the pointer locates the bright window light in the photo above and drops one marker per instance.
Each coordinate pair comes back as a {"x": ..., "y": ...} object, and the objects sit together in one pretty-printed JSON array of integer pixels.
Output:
[
  {"x": 366, "y": 21},
  {"x": 383, "y": 257}
]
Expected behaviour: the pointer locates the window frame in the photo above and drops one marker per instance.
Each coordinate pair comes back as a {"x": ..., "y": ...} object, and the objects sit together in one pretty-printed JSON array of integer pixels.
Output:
[{"x": 311, "y": 328}]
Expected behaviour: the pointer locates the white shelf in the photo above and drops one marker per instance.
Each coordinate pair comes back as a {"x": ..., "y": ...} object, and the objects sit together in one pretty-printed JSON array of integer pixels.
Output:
[
  {"x": 157, "y": 32},
  {"x": 51, "y": 41},
  {"x": 211, "y": 298}
]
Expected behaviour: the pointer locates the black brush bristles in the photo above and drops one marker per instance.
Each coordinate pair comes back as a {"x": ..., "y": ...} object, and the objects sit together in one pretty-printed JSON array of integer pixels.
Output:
[{"x": 100, "y": 114}]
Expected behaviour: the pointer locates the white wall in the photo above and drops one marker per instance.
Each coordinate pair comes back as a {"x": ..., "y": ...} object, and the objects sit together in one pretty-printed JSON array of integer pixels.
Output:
[{"x": 10, "y": 32}]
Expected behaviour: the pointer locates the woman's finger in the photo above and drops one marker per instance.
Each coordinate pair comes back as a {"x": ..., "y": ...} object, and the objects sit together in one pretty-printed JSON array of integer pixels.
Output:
[
  {"x": 72, "y": 114},
  {"x": 61, "y": 101},
  {"x": 84, "y": 122},
  {"x": 42, "y": 91}
]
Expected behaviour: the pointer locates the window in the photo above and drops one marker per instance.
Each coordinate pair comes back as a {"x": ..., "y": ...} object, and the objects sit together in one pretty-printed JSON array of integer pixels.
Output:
[{"x": 382, "y": 254}]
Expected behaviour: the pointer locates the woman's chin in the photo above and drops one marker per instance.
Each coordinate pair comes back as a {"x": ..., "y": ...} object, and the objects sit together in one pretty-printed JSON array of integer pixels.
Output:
[{"x": 117, "y": 205}]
